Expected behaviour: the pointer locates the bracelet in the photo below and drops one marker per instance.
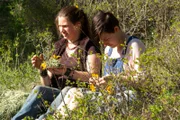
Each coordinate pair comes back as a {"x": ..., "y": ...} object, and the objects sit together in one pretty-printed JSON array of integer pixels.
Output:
[
  {"x": 68, "y": 71},
  {"x": 43, "y": 73}
]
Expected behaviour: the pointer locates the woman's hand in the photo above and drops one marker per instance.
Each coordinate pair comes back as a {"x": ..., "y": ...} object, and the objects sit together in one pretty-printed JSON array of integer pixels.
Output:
[
  {"x": 36, "y": 61},
  {"x": 57, "y": 71},
  {"x": 101, "y": 81},
  {"x": 92, "y": 81}
]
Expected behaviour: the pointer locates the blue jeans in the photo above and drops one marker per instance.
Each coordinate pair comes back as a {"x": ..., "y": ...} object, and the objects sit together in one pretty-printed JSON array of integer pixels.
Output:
[{"x": 36, "y": 102}]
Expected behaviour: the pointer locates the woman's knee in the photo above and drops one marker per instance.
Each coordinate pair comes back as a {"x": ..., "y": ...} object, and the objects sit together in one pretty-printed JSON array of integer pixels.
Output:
[
  {"x": 76, "y": 92},
  {"x": 66, "y": 89},
  {"x": 44, "y": 89},
  {"x": 38, "y": 88}
]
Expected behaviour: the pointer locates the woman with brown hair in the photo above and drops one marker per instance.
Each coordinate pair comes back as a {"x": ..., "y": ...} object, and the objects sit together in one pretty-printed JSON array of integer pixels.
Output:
[{"x": 78, "y": 60}]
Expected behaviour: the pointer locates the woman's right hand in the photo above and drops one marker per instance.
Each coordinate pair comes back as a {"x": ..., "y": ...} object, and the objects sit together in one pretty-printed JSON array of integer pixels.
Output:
[{"x": 36, "y": 61}]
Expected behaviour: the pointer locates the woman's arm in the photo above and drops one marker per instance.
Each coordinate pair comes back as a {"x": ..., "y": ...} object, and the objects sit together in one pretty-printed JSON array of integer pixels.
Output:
[
  {"x": 94, "y": 66},
  {"x": 134, "y": 50},
  {"x": 131, "y": 67}
]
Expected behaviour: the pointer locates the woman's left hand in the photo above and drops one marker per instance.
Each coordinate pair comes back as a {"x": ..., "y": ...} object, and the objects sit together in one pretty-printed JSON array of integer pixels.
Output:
[
  {"x": 101, "y": 81},
  {"x": 98, "y": 82}
]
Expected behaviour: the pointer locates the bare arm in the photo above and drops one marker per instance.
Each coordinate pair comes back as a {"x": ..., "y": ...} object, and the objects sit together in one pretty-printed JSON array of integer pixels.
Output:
[
  {"x": 94, "y": 66},
  {"x": 131, "y": 67},
  {"x": 134, "y": 50}
]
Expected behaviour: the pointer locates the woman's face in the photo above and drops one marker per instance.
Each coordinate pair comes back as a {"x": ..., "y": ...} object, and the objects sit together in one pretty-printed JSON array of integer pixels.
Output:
[
  {"x": 109, "y": 39},
  {"x": 67, "y": 29}
]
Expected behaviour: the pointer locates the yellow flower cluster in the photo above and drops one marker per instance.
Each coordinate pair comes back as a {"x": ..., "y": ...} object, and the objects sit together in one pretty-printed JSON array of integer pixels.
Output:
[
  {"x": 95, "y": 77},
  {"x": 43, "y": 65},
  {"x": 109, "y": 89},
  {"x": 53, "y": 61},
  {"x": 93, "y": 88}
]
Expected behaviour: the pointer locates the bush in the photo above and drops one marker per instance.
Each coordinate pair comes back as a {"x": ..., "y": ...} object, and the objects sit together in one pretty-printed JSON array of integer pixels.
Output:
[{"x": 155, "y": 22}]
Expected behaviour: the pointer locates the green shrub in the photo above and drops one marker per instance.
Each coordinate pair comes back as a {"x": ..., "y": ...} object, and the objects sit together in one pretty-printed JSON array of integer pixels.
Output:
[{"x": 30, "y": 30}]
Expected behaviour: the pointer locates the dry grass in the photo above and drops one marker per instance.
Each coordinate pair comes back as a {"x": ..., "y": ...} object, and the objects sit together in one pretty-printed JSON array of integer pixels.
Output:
[{"x": 10, "y": 103}]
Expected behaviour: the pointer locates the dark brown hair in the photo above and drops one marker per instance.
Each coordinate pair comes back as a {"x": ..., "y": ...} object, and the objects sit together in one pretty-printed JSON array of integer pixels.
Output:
[
  {"x": 74, "y": 15},
  {"x": 104, "y": 22}
]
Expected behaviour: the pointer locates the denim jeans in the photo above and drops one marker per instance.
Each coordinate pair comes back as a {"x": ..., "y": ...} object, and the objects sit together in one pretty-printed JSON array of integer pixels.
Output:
[{"x": 37, "y": 101}]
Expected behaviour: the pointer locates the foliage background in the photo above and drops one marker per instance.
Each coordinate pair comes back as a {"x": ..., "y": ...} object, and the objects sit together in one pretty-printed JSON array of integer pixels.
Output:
[{"x": 27, "y": 28}]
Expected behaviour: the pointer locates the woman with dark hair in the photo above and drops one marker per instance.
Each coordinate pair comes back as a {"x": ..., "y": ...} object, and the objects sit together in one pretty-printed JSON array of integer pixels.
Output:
[
  {"x": 118, "y": 45},
  {"x": 122, "y": 56},
  {"x": 78, "y": 61},
  {"x": 122, "y": 53}
]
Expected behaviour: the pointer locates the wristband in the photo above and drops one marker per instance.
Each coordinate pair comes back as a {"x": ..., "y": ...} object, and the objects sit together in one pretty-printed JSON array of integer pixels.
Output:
[
  {"x": 43, "y": 73},
  {"x": 68, "y": 71}
]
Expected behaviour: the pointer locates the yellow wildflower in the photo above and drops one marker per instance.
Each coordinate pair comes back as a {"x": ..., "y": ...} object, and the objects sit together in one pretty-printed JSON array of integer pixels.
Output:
[
  {"x": 56, "y": 56},
  {"x": 95, "y": 76},
  {"x": 109, "y": 89},
  {"x": 76, "y": 6},
  {"x": 43, "y": 65},
  {"x": 92, "y": 87}
]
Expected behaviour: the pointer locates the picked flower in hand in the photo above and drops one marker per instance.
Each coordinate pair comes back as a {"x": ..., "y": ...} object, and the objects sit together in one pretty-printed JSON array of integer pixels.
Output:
[
  {"x": 92, "y": 86},
  {"x": 53, "y": 62},
  {"x": 43, "y": 65}
]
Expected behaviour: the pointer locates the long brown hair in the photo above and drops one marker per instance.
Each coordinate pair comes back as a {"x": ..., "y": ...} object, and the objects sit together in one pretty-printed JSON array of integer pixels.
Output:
[{"x": 73, "y": 14}]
